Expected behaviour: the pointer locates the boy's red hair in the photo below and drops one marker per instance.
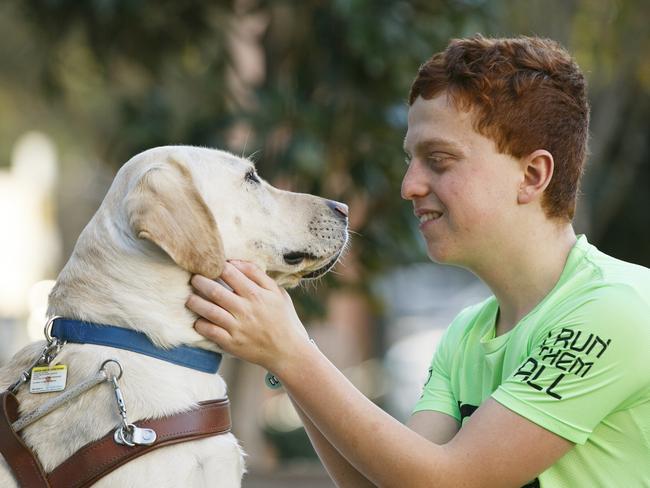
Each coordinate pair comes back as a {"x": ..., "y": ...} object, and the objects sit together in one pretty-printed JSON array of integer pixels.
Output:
[{"x": 526, "y": 94}]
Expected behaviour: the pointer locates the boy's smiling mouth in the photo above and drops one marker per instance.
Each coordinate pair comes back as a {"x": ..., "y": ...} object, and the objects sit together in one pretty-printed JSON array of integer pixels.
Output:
[{"x": 424, "y": 215}]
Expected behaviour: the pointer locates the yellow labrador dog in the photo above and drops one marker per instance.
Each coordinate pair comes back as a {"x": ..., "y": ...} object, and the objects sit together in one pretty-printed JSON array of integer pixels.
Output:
[{"x": 171, "y": 211}]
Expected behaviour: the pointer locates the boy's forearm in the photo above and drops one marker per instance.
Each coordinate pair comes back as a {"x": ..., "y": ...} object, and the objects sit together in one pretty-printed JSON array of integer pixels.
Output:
[
  {"x": 339, "y": 469},
  {"x": 358, "y": 429}
]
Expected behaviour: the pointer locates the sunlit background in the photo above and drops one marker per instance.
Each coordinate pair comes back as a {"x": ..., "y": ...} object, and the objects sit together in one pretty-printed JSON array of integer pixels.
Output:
[{"x": 314, "y": 91}]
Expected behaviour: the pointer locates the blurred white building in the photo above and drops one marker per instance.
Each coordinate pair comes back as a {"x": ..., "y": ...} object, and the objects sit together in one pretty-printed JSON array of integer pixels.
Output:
[
  {"x": 421, "y": 300},
  {"x": 30, "y": 245}
]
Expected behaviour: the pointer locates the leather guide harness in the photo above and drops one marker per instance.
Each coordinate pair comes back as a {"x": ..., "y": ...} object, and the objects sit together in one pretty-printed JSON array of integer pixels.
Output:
[
  {"x": 131, "y": 440},
  {"x": 96, "y": 459}
]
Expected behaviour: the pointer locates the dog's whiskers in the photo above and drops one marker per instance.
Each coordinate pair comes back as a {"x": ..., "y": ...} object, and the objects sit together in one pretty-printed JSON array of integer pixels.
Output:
[
  {"x": 243, "y": 151},
  {"x": 252, "y": 155}
]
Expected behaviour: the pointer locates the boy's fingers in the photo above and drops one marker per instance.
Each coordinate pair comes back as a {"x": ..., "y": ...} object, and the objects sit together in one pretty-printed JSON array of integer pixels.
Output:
[
  {"x": 255, "y": 274},
  {"x": 213, "y": 332},
  {"x": 237, "y": 280},
  {"x": 215, "y": 292},
  {"x": 208, "y": 310}
]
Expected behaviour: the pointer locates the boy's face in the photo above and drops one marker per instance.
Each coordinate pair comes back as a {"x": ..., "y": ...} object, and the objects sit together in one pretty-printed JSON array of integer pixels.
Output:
[{"x": 463, "y": 191}]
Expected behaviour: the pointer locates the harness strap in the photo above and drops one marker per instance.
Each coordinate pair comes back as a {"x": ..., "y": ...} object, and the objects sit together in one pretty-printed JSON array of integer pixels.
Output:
[
  {"x": 96, "y": 459},
  {"x": 27, "y": 470}
]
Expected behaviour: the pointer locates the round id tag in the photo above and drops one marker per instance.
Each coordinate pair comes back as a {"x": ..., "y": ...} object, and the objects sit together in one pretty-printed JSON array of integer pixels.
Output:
[{"x": 272, "y": 382}]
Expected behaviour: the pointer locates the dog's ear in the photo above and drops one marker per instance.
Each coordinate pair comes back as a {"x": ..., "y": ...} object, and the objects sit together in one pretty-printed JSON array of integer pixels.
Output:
[{"x": 165, "y": 208}]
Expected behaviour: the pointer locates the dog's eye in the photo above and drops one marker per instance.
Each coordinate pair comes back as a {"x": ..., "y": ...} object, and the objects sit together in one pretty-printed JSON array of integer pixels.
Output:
[{"x": 251, "y": 176}]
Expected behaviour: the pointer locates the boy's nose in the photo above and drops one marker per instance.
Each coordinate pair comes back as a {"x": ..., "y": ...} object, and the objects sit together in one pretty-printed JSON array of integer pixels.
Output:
[{"x": 414, "y": 183}]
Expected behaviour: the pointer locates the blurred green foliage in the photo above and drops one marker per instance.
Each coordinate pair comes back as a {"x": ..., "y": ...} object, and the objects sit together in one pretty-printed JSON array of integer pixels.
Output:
[{"x": 316, "y": 91}]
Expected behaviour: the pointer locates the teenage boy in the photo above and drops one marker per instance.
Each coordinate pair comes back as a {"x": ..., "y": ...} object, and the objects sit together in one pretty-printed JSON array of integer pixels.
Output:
[{"x": 554, "y": 368}]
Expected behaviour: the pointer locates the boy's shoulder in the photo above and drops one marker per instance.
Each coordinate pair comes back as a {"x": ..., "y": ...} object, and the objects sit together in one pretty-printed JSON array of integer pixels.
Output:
[
  {"x": 592, "y": 279},
  {"x": 600, "y": 296},
  {"x": 606, "y": 272}
]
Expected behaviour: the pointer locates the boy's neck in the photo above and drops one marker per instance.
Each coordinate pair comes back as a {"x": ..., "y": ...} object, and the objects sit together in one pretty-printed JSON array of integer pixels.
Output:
[{"x": 529, "y": 270}]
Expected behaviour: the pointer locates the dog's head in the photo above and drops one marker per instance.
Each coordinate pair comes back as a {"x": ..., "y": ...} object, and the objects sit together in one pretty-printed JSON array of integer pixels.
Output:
[{"x": 203, "y": 206}]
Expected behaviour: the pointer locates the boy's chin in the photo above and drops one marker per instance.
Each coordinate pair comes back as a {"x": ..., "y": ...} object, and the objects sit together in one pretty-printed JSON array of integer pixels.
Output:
[
  {"x": 438, "y": 253},
  {"x": 443, "y": 253}
]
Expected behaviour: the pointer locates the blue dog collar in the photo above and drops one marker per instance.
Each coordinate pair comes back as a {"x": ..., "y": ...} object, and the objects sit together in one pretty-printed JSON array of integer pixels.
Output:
[{"x": 81, "y": 332}]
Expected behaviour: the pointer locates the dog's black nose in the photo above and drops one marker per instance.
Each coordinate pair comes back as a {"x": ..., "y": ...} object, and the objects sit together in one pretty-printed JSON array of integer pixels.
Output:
[{"x": 340, "y": 209}]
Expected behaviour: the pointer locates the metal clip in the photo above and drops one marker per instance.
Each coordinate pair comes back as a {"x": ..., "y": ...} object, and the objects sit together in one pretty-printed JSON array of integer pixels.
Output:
[
  {"x": 134, "y": 436},
  {"x": 48, "y": 354},
  {"x": 24, "y": 378},
  {"x": 51, "y": 351},
  {"x": 121, "y": 406},
  {"x": 128, "y": 434}
]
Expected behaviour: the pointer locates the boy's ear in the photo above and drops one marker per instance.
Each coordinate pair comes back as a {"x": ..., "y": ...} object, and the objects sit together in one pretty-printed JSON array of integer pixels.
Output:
[
  {"x": 537, "y": 173},
  {"x": 166, "y": 209}
]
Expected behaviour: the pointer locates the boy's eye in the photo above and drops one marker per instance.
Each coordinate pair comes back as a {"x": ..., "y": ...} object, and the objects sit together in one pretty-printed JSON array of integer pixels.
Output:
[
  {"x": 438, "y": 156},
  {"x": 252, "y": 177},
  {"x": 438, "y": 159},
  {"x": 407, "y": 159}
]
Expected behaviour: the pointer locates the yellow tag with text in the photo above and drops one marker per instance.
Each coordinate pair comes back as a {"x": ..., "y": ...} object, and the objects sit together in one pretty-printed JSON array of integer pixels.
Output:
[{"x": 46, "y": 379}]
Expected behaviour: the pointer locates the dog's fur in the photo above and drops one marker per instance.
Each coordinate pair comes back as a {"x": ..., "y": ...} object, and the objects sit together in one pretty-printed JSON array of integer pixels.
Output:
[{"x": 170, "y": 212}]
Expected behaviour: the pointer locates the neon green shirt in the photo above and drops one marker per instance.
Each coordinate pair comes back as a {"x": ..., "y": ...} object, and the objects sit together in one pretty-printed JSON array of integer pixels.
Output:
[{"x": 578, "y": 365}]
